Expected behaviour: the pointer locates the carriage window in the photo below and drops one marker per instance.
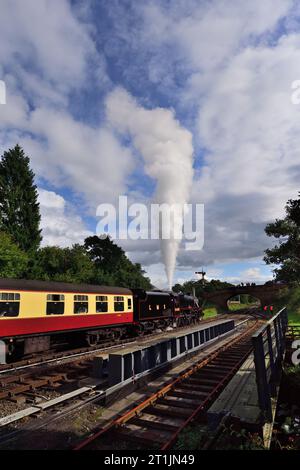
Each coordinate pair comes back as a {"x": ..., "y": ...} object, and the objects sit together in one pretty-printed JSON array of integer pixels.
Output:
[
  {"x": 9, "y": 304},
  {"x": 128, "y": 303},
  {"x": 81, "y": 304},
  {"x": 101, "y": 303},
  {"x": 55, "y": 304},
  {"x": 119, "y": 303}
]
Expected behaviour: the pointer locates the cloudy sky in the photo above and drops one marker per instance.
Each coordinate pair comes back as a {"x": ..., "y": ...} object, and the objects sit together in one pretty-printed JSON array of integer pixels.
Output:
[{"x": 92, "y": 86}]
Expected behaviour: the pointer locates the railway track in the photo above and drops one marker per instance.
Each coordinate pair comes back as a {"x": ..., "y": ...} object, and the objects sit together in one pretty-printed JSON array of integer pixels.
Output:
[
  {"x": 22, "y": 383},
  {"x": 48, "y": 358},
  {"x": 18, "y": 387},
  {"x": 158, "y": 420}
]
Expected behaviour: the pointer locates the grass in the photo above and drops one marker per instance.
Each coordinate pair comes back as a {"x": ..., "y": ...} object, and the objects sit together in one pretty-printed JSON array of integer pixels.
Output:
[
  {"x": 210, "y": 312},
  {"x": 294, "y": 317},
  {"x": 234, "y": 307},
  {"x": 290, "y": 298}
]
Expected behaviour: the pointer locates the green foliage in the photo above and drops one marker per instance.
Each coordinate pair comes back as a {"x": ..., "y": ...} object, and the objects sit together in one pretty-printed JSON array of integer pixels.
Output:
[
  {"x": 62, "y": 264},
  {"x": 290, "y": 298},
  {"x": 103, "y": 252},
  {"x": 192, "y": 438},
  {"x": 19, "y": 209},
  {"x": 201, "y": 287},
  {"x": 286, "y": 253},
  {"x": 238, "y": 439},
  {"x": 13, "y": 261},
  {"x": 210, "y": 312},
  {"x": 199, "y": 437},
  {"x": 111, "y": 262},
  {"x": 96, "y": 262},
  {"x": 292, "y": 376}
]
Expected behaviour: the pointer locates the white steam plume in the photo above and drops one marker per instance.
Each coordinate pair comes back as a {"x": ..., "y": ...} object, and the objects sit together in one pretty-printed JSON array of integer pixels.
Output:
[{"x": 167, "y": 151}]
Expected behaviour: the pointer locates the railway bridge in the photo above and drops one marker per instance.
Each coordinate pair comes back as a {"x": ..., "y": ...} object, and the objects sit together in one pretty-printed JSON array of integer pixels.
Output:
[{"x": 264, "y": 293}]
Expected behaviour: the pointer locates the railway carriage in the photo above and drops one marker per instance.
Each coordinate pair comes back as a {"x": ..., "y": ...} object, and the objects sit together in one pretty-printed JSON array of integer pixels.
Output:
[
  {"x": 36, "y": 316},
  {"x": 34, "y": 313}
]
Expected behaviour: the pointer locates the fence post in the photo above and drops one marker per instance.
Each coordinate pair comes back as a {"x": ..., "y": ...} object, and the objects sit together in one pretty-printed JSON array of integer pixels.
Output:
[
  {"x": 266, "y": 386},
  {"x": 263, "y": 390},
  {"x": 272, "y": 362},
  {"x": 277, "y": 338}
]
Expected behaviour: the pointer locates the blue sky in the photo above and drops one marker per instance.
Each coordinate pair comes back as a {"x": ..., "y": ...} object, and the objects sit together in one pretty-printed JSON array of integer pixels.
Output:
[{"x": 90, "y": 82}]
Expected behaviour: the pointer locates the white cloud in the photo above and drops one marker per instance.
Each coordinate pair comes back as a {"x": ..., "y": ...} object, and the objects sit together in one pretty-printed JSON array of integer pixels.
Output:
[
  {"x": 239, "y": 79},
  {"x": 89, "y": 160},
  {"x": 47, "y": 35},
  {"x": 220, "y": 63},
  {"x": 60, "y": 223},
  {"x": 249, "y": 275},
  {"x": 47, "y": 52}
]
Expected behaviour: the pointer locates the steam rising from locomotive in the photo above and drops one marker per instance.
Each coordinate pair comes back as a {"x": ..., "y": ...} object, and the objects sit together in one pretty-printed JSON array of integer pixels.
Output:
[{"x": 167, "y": 151}]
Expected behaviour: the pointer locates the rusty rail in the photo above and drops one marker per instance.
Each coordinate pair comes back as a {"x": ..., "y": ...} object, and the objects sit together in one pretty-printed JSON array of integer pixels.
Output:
[{"x": 178, "y": 403}]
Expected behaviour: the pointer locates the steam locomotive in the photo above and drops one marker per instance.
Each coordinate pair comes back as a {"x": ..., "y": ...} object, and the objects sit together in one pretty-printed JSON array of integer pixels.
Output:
[{"x": 35, "y": 316}]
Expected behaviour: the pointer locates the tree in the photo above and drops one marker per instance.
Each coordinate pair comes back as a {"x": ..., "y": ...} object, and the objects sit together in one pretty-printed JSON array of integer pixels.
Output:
[
  {"x": 131, "y": 275},
  {"x": 13, "y": 261},
  {"x": 19, "y": 207},
  {"x": 62, "y": 264},
  {"x": 103, "y": 252},
  {"x": 92, "y": 265},
  {"x": 201, "y": 287},
  {"x": 286, "y": 253},
  {"x": 113, "y": 266}
]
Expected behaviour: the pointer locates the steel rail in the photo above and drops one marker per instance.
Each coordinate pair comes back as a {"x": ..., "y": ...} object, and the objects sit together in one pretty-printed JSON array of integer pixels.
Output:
[
  {"x": 134, "y": 412},
  {"x": 48, "y": 358}
]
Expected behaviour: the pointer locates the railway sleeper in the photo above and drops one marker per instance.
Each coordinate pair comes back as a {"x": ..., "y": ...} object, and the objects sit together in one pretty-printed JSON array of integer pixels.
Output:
[
  {"x": 181, "y": 392},
  {"x": 202, "y": 381},
  {"x": 217, "y": 367},
  {"x": 217, "y": 371},
  {"x": 225, "y": 362},
  {"x": 169, "y": 410},
  {"x": 147, "y": 423},
  {"x": 194, "y": 387},
  {"x": 179, "y": 402}
]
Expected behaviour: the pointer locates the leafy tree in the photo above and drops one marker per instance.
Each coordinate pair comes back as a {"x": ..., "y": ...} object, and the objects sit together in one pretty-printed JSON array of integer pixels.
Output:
[
  {"x": 201, "y": 287},
  {"x": 177, "y": 288},
  {"x": 131, "y": 275},
  {"x": 96, "y": 264},
  {"x": 112, "y": 264},
  {"x": 103, "y": 252},
  {"x": 286, "y": 253},
  {"x": 62, "y": 264},
  {"x": 13, "y": 261},
  {"x": 19, "y": 208}
]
